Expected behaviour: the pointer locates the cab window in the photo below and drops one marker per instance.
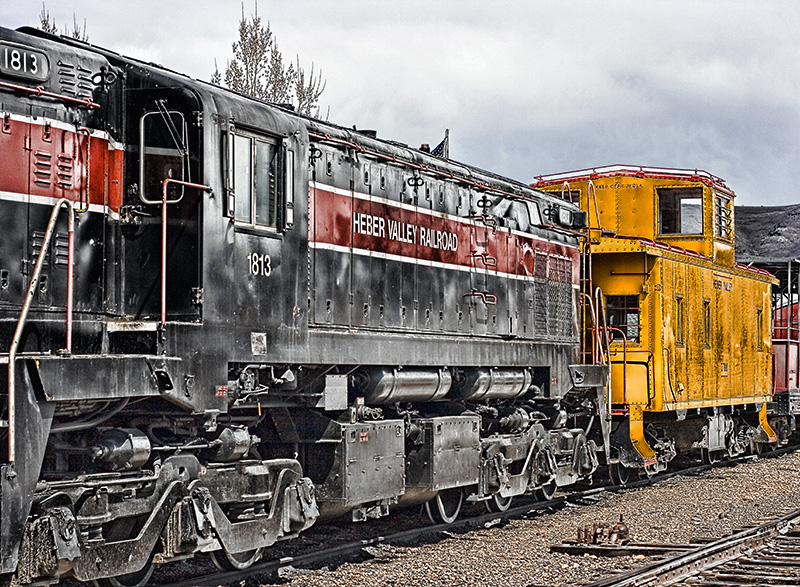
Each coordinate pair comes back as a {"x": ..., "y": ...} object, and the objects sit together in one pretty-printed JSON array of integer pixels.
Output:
[
  {"x": 255, "y": 171},
  {"x": 680, "y": 211},
  {"x": 162, "y": 144}
]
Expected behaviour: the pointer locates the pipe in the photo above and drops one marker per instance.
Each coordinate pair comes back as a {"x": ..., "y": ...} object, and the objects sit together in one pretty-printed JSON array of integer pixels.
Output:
[
  {"x": 85, "y": 205},
  {"x": 40, "y": 91},
  {"x": 91, "y": 421},
  {"x": 164, "y": 203},
  {"x": 23, "y": 316},
  {"x": 624, "y": 362}
]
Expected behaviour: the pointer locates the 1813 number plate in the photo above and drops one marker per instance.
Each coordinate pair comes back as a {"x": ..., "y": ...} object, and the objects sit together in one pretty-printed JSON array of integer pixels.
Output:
[{"x": 21, "y": 62}]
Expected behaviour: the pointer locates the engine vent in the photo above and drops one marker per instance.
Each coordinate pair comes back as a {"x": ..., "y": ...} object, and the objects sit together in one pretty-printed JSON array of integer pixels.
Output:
[{"x": 75, "y": 79}]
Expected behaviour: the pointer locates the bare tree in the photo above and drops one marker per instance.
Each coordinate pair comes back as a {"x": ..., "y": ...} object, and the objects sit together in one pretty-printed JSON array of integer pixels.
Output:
[
  {"x": 258, "y": 69},
  {"x": 77, "y": 32},
  {"x": 309, "y": 92},
  {"x": 47, "y": 25},
  {"x": 50, "y": 26}
]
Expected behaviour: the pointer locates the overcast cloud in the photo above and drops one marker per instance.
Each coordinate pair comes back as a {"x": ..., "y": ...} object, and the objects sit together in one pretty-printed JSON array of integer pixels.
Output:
[{"x": 525, "y": 87}]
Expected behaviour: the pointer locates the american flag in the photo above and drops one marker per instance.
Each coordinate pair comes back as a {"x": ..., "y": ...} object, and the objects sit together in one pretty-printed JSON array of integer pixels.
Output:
[{"x": 443, "y": 148}]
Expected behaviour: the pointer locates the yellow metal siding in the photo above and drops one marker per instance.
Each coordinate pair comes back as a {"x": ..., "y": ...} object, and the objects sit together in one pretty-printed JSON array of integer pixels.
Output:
[
  {"x": 628, "y": 206},
  {"x": 729, "y": 369}
]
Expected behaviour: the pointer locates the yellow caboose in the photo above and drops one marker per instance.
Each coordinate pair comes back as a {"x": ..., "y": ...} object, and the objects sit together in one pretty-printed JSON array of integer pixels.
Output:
[{"x": 688, "y": 328}]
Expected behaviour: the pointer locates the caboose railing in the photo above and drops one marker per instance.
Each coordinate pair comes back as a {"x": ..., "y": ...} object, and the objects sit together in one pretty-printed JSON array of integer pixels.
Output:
[{"x": 23, "y": 315}]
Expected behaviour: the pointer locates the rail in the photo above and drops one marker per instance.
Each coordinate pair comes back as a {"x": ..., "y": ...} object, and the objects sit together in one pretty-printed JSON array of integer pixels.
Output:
[
  {"x": 85, "y": 192},
  {"x": 677, "y": 174},
  {"x": 164, "y": 203},
  {"x": 86, "y": 102},
  {"x": 23, "y": 316},
  {"x": 714, "y": 556},
  {"x": 624, "y": 361}
]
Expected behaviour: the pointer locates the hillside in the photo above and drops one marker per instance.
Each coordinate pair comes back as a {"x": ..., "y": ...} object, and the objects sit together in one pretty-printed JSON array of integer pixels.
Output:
[{"x": 767, "y": 231}]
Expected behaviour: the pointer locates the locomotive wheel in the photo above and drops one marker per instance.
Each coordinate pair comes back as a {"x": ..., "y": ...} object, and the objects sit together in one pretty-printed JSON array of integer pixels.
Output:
[
  {"x": 546, "y": 492},
  {"x": 228, "y": 561},
  {"x": 709, "y": 457},
  {"x": 619, "y": 474},
  {"x": 445, "y": 507},
  {"x": 138, "y": 579},
  {"x": 122, "y": 529},
  {"x": 497, "y": 504}
]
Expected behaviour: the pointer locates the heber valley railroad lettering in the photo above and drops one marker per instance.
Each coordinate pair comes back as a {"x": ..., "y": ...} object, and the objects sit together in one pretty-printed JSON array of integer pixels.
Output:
[{"x": 403, "y": 232}]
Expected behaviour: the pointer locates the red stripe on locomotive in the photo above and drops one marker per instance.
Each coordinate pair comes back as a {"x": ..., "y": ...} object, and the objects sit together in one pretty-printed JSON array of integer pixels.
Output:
[{"x": 384, "y": 227}]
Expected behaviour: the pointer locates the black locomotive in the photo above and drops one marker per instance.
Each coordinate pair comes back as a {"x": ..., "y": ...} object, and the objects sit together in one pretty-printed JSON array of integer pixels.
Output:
[{"x": 222, "y": 321}]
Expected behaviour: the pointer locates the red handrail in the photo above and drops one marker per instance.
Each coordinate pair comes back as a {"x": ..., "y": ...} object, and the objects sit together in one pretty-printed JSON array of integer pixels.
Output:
[
  {"x": 23, "y": 315},
  {"x": 86, "y": 102},
  {"x": 164, "y": 203}
]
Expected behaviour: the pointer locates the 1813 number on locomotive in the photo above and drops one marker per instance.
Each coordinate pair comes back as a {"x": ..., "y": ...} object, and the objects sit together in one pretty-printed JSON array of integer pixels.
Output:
[
  {"x": 260, "y": 264},
  {"x": 21, "y": 62}
]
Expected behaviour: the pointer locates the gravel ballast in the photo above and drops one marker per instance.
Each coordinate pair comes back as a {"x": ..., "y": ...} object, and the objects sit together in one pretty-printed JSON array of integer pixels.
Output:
[{"x": 677, "y": 510}]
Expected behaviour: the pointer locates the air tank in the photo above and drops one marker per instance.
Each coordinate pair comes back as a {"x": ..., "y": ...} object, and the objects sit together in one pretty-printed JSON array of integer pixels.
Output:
[
  {"x": 489, "y": 384},
  {"x": 388, "y": 386}
]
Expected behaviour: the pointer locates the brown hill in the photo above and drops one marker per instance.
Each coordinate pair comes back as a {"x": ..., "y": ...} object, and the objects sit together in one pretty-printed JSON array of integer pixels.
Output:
[{"x": 771, "y": 232}]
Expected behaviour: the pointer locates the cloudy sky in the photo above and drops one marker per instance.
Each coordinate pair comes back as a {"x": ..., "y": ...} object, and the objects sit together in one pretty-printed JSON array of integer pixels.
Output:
[{"x": 526, "y": 87}]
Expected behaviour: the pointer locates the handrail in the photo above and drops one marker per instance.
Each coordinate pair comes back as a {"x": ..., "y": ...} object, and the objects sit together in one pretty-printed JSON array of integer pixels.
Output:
[
  {"x": 596, "y": 347},
  {"x": 593, "y": 190},
  {"x": 23, "y": 316},
  {"x": 604, "y": 348},
  {"x": 85, "y": 204},
  {"x": 86, "y": 102},
  {"x": 164, "y": 203},
  {"x": 624, "y": 361}
]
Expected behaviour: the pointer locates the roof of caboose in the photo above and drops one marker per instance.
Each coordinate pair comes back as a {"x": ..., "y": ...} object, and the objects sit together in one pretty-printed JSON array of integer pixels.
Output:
[{"x": 634, "y": 171}]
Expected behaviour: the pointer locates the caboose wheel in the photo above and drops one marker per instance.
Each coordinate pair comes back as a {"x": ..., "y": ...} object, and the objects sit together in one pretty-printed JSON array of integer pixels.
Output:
[
  {"x": 619, "y": 474},
  {"x": 546, "y": 492},
  {"x": 227, "y": 561},
  {"x": 761, "y": 448},
  {"x": 445, "y": 507},
  {"x": 498, "y": 504}
]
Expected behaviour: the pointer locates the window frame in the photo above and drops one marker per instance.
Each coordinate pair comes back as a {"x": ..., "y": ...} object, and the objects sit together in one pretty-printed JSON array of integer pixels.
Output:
[
  {"x": 624, "y": 308},
  {"x": 147, "y": 152},
  {"x": 680, "y": 314},
  {"x": 723, "y": 217},
  {"x": 664, "y": 195},
  {"x": 280, "y": 182}
]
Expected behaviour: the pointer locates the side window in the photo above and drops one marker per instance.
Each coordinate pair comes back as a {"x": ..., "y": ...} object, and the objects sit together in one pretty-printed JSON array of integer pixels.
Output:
[
  {"x": 622, "y": 313},
  {"x": 680, "y": 210},
  {"x": 162, "y": 144},
  {"x": 256, "y": 164},
  {"x": 724, "y": 217}
]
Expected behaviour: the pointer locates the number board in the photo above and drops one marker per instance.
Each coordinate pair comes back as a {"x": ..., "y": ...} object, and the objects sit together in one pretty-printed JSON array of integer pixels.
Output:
[{"x": 21, "y": 62}]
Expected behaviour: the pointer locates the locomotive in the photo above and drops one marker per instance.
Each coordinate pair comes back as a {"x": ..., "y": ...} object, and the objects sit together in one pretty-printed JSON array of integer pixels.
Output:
[{"x": 222, "y": 321}]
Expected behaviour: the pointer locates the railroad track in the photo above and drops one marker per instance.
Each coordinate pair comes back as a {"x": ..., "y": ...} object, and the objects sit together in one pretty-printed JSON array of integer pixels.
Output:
[
  {"x": 766, "y": 555},
  {"x": 363, "y": 547}
]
